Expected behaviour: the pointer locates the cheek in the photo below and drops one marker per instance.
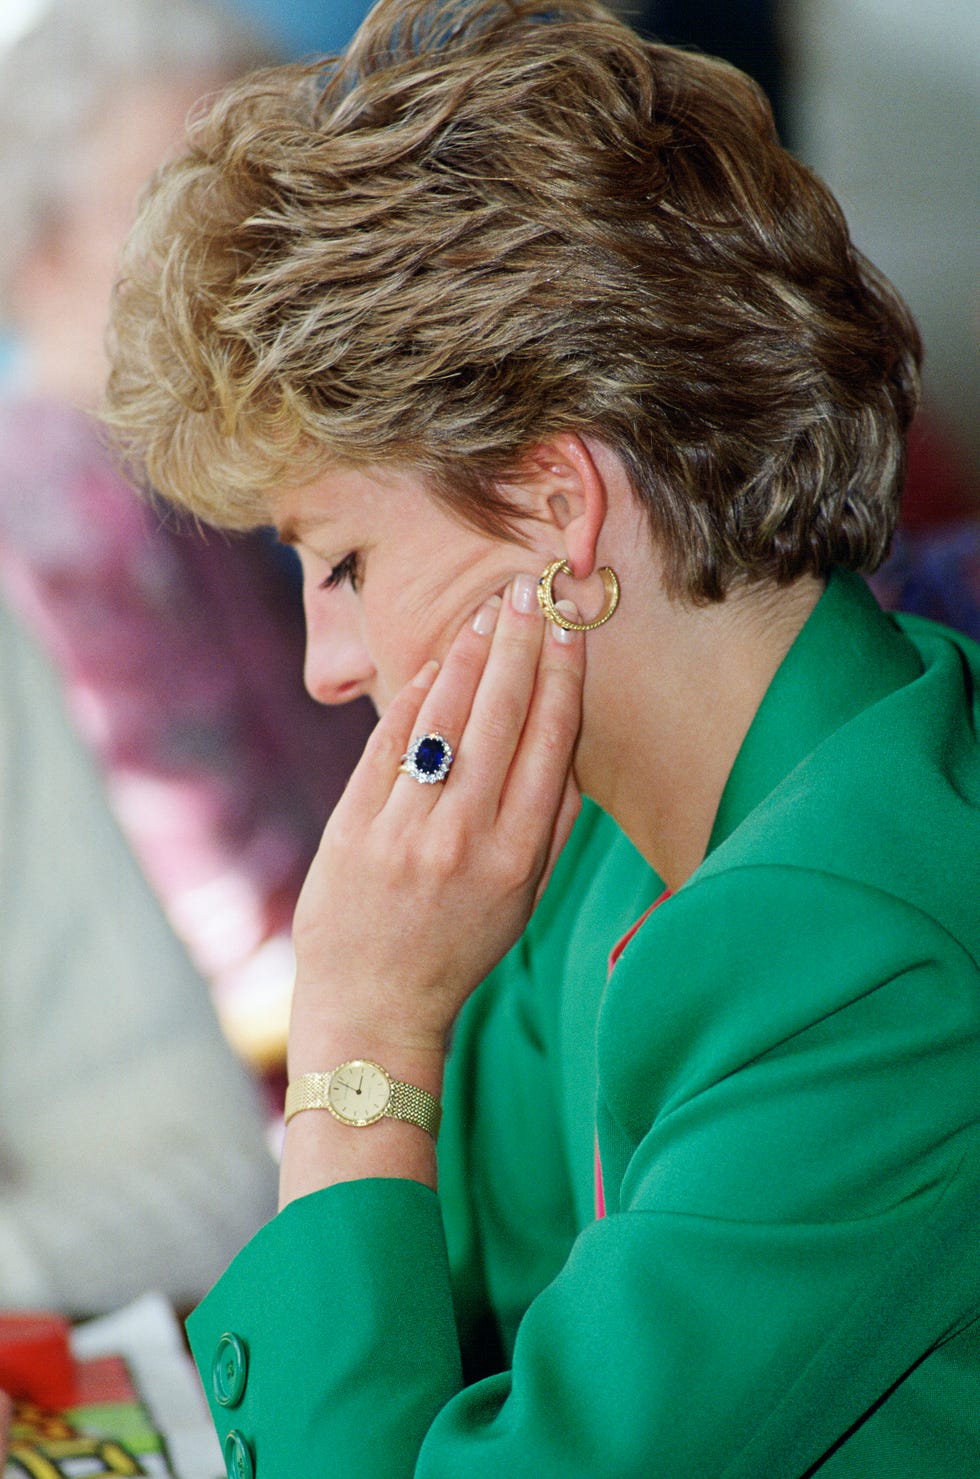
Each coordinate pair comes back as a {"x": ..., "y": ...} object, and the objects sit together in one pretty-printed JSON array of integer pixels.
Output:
[
  {"x": 401, "y": 651},
  {"x": 416, "y": 606},
  {"x": 405, "y": 635}
]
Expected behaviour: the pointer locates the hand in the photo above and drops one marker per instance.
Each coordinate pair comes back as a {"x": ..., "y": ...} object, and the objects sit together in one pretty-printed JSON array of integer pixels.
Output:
[{"x": 418, "y": 890}]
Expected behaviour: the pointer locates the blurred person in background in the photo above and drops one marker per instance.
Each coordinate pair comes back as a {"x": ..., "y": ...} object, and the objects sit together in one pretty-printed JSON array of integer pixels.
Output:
[
  {"x": 132, "y": 1145},
  {"x": 181, "y": 656}
]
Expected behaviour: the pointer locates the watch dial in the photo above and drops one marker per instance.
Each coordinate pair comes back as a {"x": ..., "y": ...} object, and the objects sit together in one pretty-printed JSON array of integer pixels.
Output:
[{"x": 359, "y": 1092}]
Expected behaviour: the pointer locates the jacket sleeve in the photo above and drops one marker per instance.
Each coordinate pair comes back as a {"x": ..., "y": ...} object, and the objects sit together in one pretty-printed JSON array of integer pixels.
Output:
[{"x": 790, "y": 1146}]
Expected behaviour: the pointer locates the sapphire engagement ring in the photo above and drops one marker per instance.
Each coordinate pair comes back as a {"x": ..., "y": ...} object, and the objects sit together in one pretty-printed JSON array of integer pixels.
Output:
[{"x": 427, "y": 759}]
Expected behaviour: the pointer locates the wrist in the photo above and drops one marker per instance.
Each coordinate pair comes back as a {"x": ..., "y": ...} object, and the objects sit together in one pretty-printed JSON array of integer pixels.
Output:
[
  {"x": 319, "y": 1152},
  {"x": 360, "y": 1122},
  {"x": 413, "y": 1058},
  {"x": 359, "y": 1093}
]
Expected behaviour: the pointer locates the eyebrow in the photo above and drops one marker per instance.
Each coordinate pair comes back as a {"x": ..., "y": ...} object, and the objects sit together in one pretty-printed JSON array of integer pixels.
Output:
[{"x": 294, "y": 531}]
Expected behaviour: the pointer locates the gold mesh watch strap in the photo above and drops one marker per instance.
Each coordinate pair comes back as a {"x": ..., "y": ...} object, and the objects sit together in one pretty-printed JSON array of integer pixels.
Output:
[
  {"x": 309, "y": 1091},
  {"x": 418, "y": 1106},
  {"x": 408, "y": 1102}
]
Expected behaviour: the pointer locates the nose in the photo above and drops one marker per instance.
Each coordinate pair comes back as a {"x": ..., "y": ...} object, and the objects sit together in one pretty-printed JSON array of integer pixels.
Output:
[{"x": 338, "y": 665}]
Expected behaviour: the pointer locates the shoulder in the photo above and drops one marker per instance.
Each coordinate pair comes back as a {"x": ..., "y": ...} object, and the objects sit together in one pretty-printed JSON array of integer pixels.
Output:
[
  {"x": 886, "y": 810},
  {"x": 841, "y": 908},
  {"x": 772, "y": 1006},
  {"x": 754, "y": 954}
]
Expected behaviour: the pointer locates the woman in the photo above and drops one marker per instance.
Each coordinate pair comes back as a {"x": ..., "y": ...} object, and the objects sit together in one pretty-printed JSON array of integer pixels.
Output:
[{"x": 501, "y": 290}]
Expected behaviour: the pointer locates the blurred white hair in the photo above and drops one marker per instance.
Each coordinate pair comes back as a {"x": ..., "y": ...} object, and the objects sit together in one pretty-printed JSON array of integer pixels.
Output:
[{"x": 64, "y": 67}]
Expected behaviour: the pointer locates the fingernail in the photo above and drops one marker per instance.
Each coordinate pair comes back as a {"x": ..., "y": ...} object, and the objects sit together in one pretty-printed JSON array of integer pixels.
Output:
[
  {"x": 524, "y": 594},
  {"x": 569, "y": 609},
  {"x": 486, "y": 618},
  {"x": 426, "y": 675}
]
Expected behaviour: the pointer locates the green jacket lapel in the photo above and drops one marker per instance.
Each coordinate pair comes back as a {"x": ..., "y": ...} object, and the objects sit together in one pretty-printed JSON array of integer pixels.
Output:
[{"x": 848, "y": 655}]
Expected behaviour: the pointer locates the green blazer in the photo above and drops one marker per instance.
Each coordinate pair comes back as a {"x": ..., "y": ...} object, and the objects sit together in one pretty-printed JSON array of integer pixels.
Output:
[{"x": 782, "y": 1078}]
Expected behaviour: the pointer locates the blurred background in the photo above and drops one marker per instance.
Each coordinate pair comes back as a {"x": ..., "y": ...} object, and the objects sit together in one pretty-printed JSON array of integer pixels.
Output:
[
  {"x": 177, "y": 658},
  {"x": 885, "y": 103}
]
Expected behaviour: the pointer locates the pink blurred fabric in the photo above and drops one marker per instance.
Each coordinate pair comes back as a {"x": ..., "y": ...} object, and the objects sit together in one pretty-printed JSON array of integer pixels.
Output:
[{"x": 181, "y": 656}]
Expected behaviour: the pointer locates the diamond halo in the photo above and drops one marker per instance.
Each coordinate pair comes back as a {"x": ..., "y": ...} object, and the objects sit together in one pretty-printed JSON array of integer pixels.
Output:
[{"x": 428, "y": 759}]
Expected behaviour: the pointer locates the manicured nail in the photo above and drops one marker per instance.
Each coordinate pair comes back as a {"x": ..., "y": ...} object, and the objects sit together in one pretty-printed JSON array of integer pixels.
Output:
[
  {"x": 426, "y": 675},
  {"x": 569, "y": 609},
  {"x": 524, "y": 594},
  {"x": 486, "y": 618}
]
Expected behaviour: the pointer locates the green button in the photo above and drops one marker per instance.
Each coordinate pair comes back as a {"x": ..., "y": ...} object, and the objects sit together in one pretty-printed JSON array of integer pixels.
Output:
[
  {"x": 238, "y": 1457},
  {"x": 229, "y": 1370}
]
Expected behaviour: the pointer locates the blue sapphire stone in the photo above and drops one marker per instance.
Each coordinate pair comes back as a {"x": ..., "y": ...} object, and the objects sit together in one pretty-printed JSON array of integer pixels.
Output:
[
  {"x": 428, "y": 758},
  {"x": 430, "y": 754}
]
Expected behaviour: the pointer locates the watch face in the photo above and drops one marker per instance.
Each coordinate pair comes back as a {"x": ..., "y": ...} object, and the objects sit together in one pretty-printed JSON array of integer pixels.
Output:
[{"x": 359, "y": 1092}]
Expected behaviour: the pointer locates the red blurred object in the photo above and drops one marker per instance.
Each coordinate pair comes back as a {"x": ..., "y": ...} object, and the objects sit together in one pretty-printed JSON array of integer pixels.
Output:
[
  {"x": 36, "y": 1363},
  {"x": 937, "y": 483}
]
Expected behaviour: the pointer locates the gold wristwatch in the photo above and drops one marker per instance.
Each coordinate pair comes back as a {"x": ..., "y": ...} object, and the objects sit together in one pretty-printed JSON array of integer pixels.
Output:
[{"x": 359, "y": 1093}]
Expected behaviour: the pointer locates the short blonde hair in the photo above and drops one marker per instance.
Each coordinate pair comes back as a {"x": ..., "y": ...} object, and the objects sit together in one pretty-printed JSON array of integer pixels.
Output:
[{"x": 489, "y": 223}]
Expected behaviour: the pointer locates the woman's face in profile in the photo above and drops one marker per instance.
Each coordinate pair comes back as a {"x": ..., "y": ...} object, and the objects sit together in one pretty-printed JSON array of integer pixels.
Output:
[{"x": 388, "y": 578}]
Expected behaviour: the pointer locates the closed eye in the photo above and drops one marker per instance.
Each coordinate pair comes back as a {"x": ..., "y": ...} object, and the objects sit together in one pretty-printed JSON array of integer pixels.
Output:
[{"x": 345, "y": 570}]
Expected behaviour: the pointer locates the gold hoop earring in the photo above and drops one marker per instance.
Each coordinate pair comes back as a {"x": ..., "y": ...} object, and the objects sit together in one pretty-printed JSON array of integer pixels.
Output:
[{"x": 546, "y": 598}]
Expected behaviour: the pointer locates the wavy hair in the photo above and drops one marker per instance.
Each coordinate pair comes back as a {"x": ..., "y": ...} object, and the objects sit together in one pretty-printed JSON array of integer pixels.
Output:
[{"x": 488, "y": 223}]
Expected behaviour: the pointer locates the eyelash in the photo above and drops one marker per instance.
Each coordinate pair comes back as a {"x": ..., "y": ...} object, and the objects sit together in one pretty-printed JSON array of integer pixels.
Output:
[{"x": 345, "y": 570}]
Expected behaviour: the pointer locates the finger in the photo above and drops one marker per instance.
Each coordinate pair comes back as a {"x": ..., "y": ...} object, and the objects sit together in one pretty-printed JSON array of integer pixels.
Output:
[
  {"x": 446, "y": 708},
  {"x": 503, "y": 699},
  {"x": 370, "y": 784}
]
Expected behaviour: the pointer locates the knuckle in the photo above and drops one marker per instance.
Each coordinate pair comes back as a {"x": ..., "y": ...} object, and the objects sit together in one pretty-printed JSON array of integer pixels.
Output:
[
  {"x": 343, "y": 829},
  {"x": 557, "y": 735},
  {"x": 383, "y": 747},
  {"x": 564, "y": 681},
  {"x": 515, "y": 863},
  {"x": 467, "y": 661},
  {"x": 504, "y": 719},
  {"x": 502, "y": 725},
  {"x": 516, "y": 641}
]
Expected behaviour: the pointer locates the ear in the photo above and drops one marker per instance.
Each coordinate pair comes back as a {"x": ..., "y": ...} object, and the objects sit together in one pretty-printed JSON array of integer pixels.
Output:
[{"x": 566, "y": 490}]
